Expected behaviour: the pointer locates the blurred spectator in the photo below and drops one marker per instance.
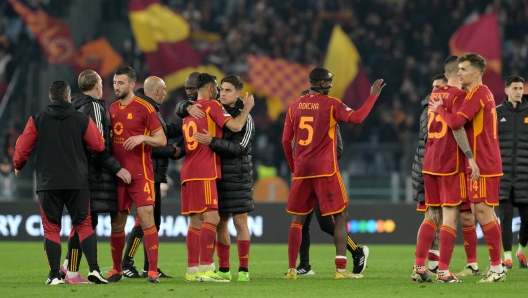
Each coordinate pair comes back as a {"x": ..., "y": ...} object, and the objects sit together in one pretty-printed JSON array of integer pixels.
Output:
[{"x": 7, "y": 180}]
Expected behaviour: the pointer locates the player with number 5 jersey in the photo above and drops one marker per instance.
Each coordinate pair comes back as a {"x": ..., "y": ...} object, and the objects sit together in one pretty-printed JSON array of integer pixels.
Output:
[{"x": 309, "y": 141}]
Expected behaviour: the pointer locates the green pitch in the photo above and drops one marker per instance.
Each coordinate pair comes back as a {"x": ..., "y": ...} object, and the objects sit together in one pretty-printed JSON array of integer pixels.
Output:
[{"x": 24, "y": 271}]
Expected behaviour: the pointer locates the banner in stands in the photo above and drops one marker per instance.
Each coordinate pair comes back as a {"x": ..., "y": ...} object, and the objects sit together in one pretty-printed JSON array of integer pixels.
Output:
[{"x": 269, "y": 223}]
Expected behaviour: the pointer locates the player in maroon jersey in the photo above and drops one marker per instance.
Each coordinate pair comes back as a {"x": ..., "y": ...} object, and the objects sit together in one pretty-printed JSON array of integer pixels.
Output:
[
  {"x": 478, "y": 115},
  {"x": 135, "y": 128},
  {"x": 443, "y": 172},
  {"x": 200, "y": 170},
  {"x": 310, "y": 127}
]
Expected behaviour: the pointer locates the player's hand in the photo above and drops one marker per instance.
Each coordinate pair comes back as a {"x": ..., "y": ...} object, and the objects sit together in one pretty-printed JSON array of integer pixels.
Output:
[
  {"x": 203, "y": 138},
  {"x": 178, "y": 150},
  {"x": 249, "y": 101},
  {"x": 124, "y": 174},
  {"x": 132, "y": 142},
  {"x": 17, "y": 173},
  {"x": 475, "y": 171},
  {"x": 377, "y": 87},
  {"x": 194, "y": 111},
  {"x": 433, "y": 104}
]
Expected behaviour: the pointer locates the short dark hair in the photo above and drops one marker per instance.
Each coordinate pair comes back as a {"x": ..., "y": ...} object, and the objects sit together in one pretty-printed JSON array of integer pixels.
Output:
[
  {"x": 234, "y": 80},
  {"x": 87, "y": 80},
  {"x": 514, "y": 79},
  {"x": 319, "y": 74},
  {"x": 204, "y": 79},
  {"x": 451, "y": 64},
  {"x": 440, "y": 76},
  {"x": 475, "y": 60},
  {"x": 127, "y": 70},
  {"x": 59, "y": 90}
]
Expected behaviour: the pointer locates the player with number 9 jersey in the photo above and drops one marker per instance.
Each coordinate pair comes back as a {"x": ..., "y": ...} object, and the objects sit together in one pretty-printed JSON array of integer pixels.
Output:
[
  {"x": 202, "y": 163},
  {"x": 201, "y": 166}
]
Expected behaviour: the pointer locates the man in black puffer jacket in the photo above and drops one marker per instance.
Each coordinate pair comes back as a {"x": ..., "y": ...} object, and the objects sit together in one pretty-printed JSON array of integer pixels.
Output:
[
  {"x": 103, "y": 166},
  {"x": 512, "y": 117},
  {"x": 235, "y": 189},
  {"x": 154, "y": 92},
  {"x": 439, "y": 80}
]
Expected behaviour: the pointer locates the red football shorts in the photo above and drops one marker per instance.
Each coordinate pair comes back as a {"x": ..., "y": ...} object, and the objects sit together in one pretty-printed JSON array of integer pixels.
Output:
[
  {"x": 199, "y": 196},
  {"x": 139, "y": 191},
  {"x": 485, "y": 189},
  {"x": 421, "y": 207},
  {"x": 329, "y": 191},
  {"x": 445, "y": 190}
]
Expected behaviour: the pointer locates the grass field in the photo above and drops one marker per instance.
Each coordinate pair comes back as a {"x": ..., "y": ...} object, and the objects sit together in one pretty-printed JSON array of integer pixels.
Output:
[{"x": 24, "y": 271}]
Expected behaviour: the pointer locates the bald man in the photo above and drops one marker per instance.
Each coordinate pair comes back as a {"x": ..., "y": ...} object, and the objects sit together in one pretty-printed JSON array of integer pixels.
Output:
[{"x": 154, "y": 92}]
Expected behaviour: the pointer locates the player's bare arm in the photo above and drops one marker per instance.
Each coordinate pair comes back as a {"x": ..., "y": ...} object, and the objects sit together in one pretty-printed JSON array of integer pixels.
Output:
[
  {"x": 157, "y": 139},
  {"x": 462, "y": 141},
  {"x": 236, "y": 124}
]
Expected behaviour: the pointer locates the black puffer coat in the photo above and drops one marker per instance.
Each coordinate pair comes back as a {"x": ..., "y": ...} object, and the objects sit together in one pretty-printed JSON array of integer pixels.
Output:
[
  {"x": 160, "y": 155},
  {"x": 513, "y": 141},
  {"x": 417, "y": 176},
  {"x": 235, "y": 189},
  {"x": 103, "y": 165}
]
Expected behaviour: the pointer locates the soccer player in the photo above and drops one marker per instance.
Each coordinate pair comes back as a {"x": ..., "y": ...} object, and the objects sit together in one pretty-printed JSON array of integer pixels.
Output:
[
  {"x": 444, "y": 177},
  {"x": 513, "y": 192},
  {"x": 478, "y": 115},
  {"x": 311, "y": 123},
  {"x": 154, "y": 92},
  {"x": 439, "y": 80},
  {"x": 58, "y": 136},
  {"x": 136, "y": 128},
  {"x": 327, "y": 225},
  {"x": 199, "y": 172},
  {"x": 235, "y": 189},
  {"x": 103, "y": 168}
]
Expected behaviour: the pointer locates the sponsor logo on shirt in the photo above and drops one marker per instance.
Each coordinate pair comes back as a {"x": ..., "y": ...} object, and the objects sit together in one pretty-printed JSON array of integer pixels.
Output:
[{"x": 118, "y": 128}]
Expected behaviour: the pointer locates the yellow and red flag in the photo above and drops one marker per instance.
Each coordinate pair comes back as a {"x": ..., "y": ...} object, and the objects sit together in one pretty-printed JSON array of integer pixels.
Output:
[
  {"x": 163, "y": 37},
  {"x": 350, "y": 84},
  {"x": 55, "y": 39},
  {"x": 481, "y": 35},
  {"x": 280, "y": 81}
]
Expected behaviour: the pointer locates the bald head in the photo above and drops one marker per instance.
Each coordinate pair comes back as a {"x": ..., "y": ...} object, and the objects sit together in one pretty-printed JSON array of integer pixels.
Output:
[
  {"x": 155, "y": 88},
  {"x": 190, "y": 86}
]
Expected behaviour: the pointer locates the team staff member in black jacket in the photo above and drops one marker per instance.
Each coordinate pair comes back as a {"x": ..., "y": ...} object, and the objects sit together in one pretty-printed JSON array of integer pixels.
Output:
[
  {"x": 512, "y": 117},
  {"x": 153, "y": 91},
  {"x": 103, "y": 168},
  {"x": 58, "y": 136},
  {"x": 235, "y": 189}
]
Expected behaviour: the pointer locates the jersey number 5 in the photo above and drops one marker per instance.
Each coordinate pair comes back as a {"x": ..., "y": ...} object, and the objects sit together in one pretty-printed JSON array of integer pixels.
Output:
[
  {"x": 305, "y": 120},
  {"x": 188, "y": 131}
]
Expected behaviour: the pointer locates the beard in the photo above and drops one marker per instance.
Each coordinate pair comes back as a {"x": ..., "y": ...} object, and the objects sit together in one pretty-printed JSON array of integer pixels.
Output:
[{"x": 122, "y": 95}]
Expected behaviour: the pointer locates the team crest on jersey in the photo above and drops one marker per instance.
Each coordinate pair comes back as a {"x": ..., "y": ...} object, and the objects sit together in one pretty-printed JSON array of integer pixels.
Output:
[
  {"x": 346, "y": 107},
  {"x": 129, "y": 116},
  {"x": 225, "y": 112},
  {"x": 113, "y": 116}
]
